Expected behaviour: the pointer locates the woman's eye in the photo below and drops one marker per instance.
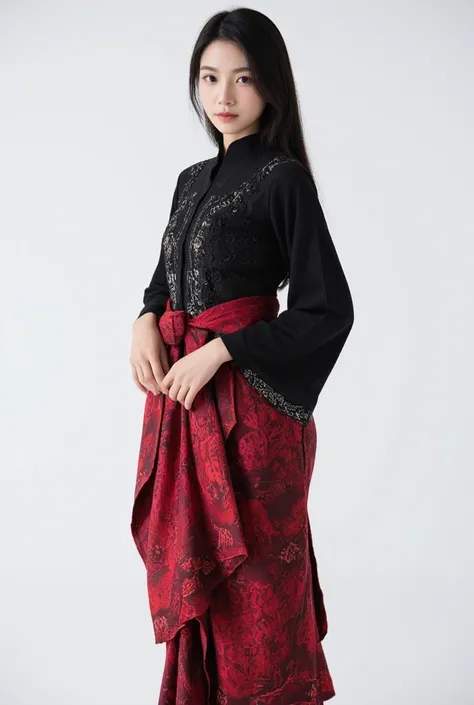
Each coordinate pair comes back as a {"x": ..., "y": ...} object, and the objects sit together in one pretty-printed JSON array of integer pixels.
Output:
[{"x": 247, "y": 78}]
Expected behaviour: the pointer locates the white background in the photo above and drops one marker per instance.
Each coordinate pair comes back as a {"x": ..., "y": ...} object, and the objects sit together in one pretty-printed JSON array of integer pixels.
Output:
[{"x": 95, "y": 125}]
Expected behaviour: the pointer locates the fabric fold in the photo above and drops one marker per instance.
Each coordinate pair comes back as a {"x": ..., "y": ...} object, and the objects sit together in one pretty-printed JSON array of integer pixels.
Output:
[
  {"x": 220, "y": 520},
  {"x": 186, "y": 524}
]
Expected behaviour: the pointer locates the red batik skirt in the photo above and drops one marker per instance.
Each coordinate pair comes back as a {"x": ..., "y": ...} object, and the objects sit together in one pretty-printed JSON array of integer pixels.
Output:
[{"x": 231, "y": 571}]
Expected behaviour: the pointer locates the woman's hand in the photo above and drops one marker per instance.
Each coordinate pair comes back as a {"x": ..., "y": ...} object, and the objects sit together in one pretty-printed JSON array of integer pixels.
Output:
[
  {"x": 148, "y": 357},
  {"x": 190, "y": 373}
]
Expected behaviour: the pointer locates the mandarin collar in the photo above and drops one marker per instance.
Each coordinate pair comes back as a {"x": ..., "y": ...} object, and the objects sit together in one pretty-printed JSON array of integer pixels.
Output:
[{"x": 238, "y": 151}]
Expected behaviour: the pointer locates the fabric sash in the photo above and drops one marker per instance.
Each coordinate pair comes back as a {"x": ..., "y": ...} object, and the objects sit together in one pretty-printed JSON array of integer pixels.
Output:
[{"x": 187, "y": 527}]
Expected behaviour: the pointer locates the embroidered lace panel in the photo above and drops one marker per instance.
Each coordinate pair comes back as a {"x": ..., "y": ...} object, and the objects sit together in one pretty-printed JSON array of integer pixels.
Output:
[{"x": 221, "y": 233}]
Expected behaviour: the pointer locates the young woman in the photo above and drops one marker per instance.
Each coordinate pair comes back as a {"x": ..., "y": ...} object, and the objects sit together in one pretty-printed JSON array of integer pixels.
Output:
[{"x": 229, "y": 440}]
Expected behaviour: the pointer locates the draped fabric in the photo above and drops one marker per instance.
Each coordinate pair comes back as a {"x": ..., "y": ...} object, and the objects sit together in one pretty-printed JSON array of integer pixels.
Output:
[{"x": 220, "y": 521}]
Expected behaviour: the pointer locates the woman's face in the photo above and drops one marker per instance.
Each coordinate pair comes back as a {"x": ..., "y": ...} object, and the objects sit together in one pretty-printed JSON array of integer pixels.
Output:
[{"x": 224, "y": 88}]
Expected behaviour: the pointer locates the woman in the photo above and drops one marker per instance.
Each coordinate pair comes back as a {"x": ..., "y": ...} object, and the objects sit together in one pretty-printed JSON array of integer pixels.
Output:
[{"x": 229, "y": 439}]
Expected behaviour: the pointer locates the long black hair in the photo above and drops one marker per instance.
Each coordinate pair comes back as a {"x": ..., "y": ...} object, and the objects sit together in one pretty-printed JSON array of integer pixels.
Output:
[{"x": 280, "y": 125}]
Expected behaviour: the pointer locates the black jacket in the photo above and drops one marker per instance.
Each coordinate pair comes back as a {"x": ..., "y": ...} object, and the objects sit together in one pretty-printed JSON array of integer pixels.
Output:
[{"x": 240, "y": 222}]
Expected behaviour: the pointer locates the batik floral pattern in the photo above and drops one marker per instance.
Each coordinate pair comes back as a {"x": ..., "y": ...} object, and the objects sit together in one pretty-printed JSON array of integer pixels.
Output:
[{"x": 220, "y": 520}]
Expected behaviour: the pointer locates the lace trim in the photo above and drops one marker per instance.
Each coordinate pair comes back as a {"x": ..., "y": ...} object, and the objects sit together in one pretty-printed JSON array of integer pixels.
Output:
[
  {"x": 295, "y": 411},
  {"x": 175, "y": 228}
]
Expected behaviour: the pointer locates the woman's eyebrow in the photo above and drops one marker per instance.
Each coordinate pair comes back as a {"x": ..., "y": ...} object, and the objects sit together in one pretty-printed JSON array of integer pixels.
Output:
[{"x": 211, "y": 68}]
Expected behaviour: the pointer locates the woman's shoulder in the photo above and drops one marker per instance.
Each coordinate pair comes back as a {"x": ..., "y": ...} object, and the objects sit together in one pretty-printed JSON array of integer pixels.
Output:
[
  {"x": 187, "y": 175},
  {"x": 288, "y": 169},
  {"x": 285, "y": 173},
  {"x": 289, "y": 176},
  {"x": 192, "y": 169}
]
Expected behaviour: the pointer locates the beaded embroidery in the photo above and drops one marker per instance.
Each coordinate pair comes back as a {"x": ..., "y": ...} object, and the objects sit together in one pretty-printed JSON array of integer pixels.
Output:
[
  {"x": 202, "y": 283},
  {"x": 296, "y": 411}
]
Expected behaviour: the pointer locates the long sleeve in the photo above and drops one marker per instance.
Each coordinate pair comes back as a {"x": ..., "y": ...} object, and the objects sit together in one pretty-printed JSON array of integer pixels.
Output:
[
  {"x": 156, "y": 293},
  {"x": 290, "y": 358}
]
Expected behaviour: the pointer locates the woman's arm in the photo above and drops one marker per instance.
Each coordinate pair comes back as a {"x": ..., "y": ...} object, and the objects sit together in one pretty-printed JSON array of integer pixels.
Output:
[
  {"x": 290, "y": 358},
  {"x": 156, "y": 293}
]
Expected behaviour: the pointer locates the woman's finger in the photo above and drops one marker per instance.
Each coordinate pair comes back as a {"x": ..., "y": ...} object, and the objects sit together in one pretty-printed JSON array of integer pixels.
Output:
[
  {"x": 146, "y": 377},
  {"x": 188, "y": 402},
  {"x": 136, "y": 380},
  {"x": 174, "y": 390},
  {"x": 157, "y": 372},
  {"x": 182, "y": 393}
]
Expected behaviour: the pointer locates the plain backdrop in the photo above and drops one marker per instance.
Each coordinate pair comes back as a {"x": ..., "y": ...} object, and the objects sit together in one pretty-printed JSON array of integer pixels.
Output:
[{"x": 95, "y": 125}]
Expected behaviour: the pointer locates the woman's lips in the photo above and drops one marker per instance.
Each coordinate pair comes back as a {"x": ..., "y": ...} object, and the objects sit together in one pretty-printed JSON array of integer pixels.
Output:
[{"x": 226, "y": 116}]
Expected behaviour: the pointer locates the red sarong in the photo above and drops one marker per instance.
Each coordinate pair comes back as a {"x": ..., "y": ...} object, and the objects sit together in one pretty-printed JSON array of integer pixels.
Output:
[{"x": 220, "y": 520}]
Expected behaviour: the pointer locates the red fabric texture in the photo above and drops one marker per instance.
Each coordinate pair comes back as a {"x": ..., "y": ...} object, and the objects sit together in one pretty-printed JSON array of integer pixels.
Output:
[{"x": 220, "y": 520}]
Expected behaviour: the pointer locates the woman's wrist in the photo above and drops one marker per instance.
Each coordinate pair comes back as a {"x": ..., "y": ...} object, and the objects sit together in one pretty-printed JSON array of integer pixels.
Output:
[{"x": 222, "y": 354}]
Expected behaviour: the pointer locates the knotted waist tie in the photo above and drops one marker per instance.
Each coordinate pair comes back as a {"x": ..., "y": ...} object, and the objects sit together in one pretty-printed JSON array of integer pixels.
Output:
[{"x": 186, "y": 523}]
